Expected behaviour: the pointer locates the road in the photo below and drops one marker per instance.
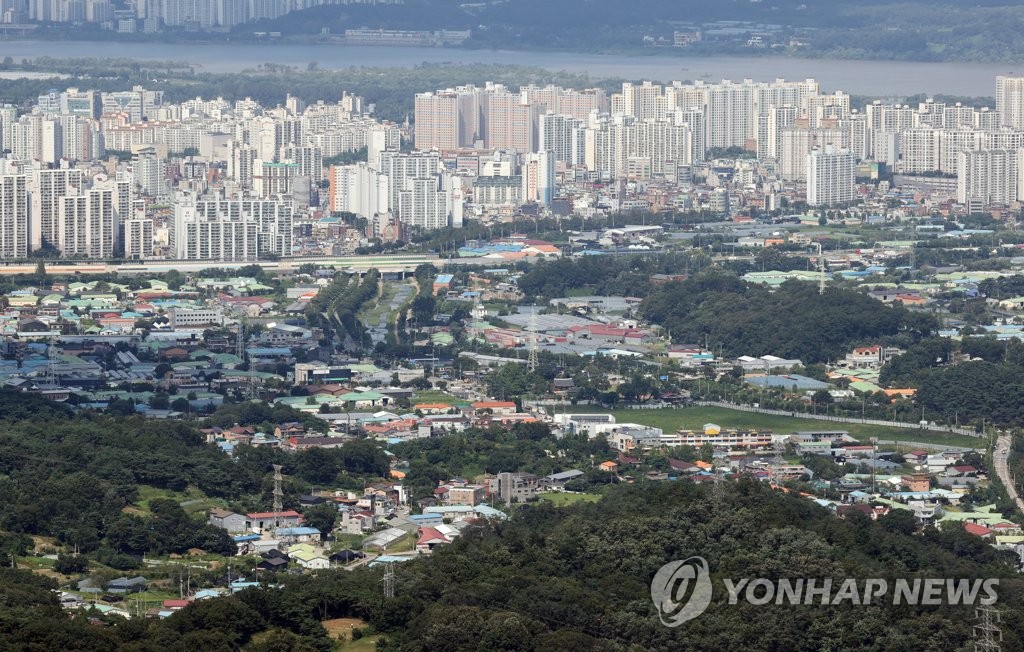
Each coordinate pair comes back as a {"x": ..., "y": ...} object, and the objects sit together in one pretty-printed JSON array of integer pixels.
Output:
[{"x": 1000, "y": 458}]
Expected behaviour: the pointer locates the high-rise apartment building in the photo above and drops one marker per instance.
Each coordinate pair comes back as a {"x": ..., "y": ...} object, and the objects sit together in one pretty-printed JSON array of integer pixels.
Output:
[
  {"x": 149, "y": 172},
  {"x": 138, "y": 238},
  {"x": 438, "y": 121},
  {"x": 831, "y": 176},
  {"x": 1010, "y": 101},
  {"x": 48, "y": 189},
  {"x": 563, "y": 136},
  {"x": 309, "y": 161},
  {"x": 14, "y": 216},
  {"x": 538, "y": 176},
  {"x": 991, "y": 176},
  {"x": 358, "y": 189},
  {"x": 231, "y": 230}
]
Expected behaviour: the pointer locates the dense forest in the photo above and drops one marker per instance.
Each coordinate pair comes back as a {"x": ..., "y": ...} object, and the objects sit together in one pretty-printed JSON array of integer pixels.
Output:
[
  {"x": 579, "y": 578},
  {"x": 77, "y": 478},
  {"x": 792, "y": 321},
  {"x": 986, "y": 381}
]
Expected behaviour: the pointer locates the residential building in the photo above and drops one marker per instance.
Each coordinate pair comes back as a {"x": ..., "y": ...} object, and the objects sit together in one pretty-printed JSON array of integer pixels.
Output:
[
  {"x": 991, "y": 176},
  {"x": 228, "y": 230},
  {"x": 14, "y": 216},
  {"x": 831, "y": 175}
]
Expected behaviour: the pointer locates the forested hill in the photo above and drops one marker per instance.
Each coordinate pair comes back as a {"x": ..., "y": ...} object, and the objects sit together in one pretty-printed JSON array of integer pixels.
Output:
[
  {"x": 579, "y": 578},
  {"x": 792, "y": 321},
  {"x": 941, "y": 30}
]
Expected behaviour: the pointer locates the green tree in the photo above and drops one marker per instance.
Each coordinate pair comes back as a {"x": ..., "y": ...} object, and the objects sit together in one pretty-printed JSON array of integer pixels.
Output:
[{"x": 321, "y": 517}]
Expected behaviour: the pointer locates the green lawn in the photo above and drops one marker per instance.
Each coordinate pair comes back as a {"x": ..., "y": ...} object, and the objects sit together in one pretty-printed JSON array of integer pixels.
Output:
[
  {"x": 693, "y": 418},
  {"x": 563, "y": 499}
]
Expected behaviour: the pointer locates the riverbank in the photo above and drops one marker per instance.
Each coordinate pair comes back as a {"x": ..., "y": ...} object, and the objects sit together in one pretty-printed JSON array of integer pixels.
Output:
[{"x": 856, "y": 76}]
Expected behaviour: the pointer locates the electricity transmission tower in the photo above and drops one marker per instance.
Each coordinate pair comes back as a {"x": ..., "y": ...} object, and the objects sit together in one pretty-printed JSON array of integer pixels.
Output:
[
  {"x": 278, "y": 492},
  {"x": 531, "y": 362},
  {"x": 51, "y": 364},
  {"x": 987, "y": 635},
  {"x": 389, "y": 579}
]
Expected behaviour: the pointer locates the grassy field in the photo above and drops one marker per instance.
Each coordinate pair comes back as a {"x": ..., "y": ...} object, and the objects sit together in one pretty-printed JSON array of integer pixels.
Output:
[
  {"x": 347, "y": 542},
  {"x": 192, "y": 500},
  {"x": 693, "y": 418},
  {"x": 563, "y": 499},
  {"x": 371, "y": 313},
  {"x": 434, "y": 396}
]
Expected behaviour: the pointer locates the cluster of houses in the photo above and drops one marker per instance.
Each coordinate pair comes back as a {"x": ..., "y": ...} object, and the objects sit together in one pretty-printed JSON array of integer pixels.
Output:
[
  {"x": 98, "y": 340},
  {"x": 381, "y": 515}
]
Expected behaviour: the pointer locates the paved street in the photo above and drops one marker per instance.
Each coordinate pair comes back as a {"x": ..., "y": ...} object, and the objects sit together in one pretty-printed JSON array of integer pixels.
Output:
[{"x": 1000, "y": 457}]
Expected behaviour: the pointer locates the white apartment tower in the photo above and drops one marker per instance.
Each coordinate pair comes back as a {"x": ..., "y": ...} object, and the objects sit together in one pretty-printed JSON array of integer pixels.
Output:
[
  {"x": 831, "y": 176},
  {"x": 1010, "y": 101},
  {"x": 563, "y": 136},
  {"x": 138, "y": 238},
  {"x": 991, "y": 176},
  {"x": 148, "y": 170},
  {"x": 538, "y": 176},
  {"x": 423, "y": 203},
  {"x": 358, "y": 189},
  {"x": 14, "y": 212},
  {"x": 90, "y": 222},
  {"x": 231, "y": 230},
  {"x": 310, "y": 161},
  {"x": 48, "y": 189}
]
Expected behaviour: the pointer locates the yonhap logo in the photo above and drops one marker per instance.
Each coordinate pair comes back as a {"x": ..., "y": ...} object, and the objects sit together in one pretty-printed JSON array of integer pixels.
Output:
[
  {"x": 681, "y": 591},
  {"x": 671, "y": 584}
]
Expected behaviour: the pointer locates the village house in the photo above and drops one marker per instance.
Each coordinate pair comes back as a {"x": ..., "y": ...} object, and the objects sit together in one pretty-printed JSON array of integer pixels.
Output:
[
  {"x": 227, "y": 520},
  {"x": 266, "y": 521}
]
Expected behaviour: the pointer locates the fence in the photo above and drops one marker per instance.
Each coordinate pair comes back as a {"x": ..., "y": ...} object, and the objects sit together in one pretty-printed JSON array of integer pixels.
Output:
[{"x": 970, "y": 432}]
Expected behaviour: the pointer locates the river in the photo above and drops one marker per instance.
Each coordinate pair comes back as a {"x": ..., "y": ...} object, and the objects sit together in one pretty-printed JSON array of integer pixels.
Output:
[{"x": 879, "y": 78}]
